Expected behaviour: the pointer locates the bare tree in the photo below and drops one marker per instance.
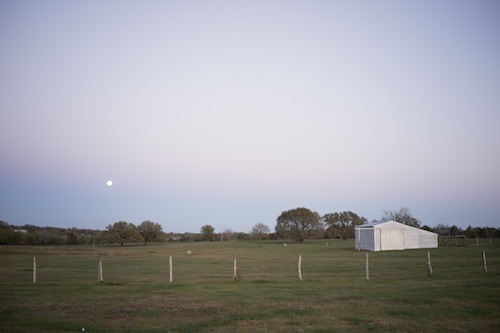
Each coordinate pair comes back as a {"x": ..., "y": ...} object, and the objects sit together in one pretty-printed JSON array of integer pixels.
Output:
[
  {"x": 228, "y": 234},
  {"x": 402, "y": 216},
  {"x": 260, "y": 231}
]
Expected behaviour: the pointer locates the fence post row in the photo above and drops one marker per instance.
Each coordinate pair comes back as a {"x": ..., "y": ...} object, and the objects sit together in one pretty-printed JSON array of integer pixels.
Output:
[{"x": 100, "y": 276}]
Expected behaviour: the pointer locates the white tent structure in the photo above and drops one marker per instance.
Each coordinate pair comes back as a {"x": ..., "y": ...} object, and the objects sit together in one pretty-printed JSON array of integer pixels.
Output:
[{"x": 392, "y": 235}]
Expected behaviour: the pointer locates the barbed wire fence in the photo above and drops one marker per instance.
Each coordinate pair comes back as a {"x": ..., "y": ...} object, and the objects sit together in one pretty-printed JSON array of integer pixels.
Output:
[{"x": 205, "y": 268}]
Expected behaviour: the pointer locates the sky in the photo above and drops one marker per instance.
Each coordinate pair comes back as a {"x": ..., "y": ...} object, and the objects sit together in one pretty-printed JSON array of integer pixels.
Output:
[{"x": 228, "y": 113}]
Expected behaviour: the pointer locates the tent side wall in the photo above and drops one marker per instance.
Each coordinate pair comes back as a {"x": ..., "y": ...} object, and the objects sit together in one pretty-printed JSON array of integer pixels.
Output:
[
  {"x": 412, "y": 239},
  {"x": 377, "y": 240},
  {"x": 391, "y": 239},
  {"x": 428, "y": 240}
]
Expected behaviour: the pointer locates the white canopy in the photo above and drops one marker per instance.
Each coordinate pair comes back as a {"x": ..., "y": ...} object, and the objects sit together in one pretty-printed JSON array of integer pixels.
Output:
[{"x": 392, "y": 235}]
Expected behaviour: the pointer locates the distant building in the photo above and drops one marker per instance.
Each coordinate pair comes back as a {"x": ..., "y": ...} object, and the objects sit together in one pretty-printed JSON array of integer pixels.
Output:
[{"x": 392, "y": 235}]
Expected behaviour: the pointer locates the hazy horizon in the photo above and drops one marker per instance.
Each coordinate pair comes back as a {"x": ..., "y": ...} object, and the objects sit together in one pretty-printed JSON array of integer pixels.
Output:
[{"x": 229, "y": 112}]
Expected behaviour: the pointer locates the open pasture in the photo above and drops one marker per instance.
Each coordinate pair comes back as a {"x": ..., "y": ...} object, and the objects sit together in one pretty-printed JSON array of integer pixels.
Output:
[{"x": 334, "y": 295}]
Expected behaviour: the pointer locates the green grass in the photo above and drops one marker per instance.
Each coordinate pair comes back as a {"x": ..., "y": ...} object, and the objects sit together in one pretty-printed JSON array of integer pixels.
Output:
[{"x": 334, "y": 295}]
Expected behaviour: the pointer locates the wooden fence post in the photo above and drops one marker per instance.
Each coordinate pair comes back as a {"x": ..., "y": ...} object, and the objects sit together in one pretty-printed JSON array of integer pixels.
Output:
[
  {"x": 429, "y": 265},
  {"x": 34, "y": 270},
  {"x": 299, "y": 267},
  {"x": 170, "y": 269},
  {"x": 367, "y": 268},
  {"x": 100, "y": 277},
  {"x": 484, "y": 262},
  {"x": 236, "y": 274}
]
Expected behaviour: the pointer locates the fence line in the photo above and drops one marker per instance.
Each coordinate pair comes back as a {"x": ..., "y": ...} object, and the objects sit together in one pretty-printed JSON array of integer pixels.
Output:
[
  {"x": 462, "y": 240},
  {"x": 199, "y": 269}
]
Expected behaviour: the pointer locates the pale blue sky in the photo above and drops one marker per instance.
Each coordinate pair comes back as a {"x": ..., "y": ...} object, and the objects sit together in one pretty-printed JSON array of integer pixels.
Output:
[{"x": 230, "y": 112}]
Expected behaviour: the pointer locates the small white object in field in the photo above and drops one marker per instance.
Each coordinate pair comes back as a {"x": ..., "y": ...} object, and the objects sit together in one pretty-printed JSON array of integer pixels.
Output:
[
  {"x": 83, "y": 329},
  {"x": 109, "y": 183},
  {"x": 189, "y": 252},
  {"x": 284, "y": 244}
]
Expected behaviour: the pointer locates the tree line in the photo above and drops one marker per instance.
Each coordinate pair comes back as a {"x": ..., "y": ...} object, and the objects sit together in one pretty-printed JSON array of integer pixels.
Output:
[
  {"x": 295, "y": 224},
  {"x": 302, "y": 223},
  {"x": 35, "y": 235},
  {"x": 117, "y": 233}
]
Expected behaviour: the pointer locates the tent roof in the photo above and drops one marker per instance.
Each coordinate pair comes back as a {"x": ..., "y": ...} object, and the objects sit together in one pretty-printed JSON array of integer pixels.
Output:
[
  {"x": 373, "y": 224},
  {"x": 391, "y": 223},
  {"x": 368, "y": 225}
]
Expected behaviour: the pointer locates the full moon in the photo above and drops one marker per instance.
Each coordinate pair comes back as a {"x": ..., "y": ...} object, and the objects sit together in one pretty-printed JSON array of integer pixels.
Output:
[{"x": 109, "y": 183}]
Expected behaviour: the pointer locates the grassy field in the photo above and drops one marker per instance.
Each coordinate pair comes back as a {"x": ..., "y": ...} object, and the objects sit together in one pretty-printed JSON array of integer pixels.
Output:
[{"x": 334, "y": 295}]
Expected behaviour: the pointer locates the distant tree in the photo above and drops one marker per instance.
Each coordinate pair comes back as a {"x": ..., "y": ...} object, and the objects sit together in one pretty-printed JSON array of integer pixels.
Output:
[
  {"x": 207, "y": 232},
  {"x": 454, "y": 230},
  {"x": 469, "y": 232},
  {"x": 489, "y": 232},
  {"x": 478, "y": 232},
  {"x": 442, "y": 229},
  {"x": 342, "y": 224},
  {"x": 49, "y": 236},
  {"x": 260, "y": 231},
  {"x": 122, "y": 231},
  {"x": 402, "y": 216},
  {"x": 228, "y": 234},
  {"x": 150, "y": 231},
  {"x": 188, "y": 237},
  {"x": 243, "y": 236},
  {"x": 71, "y": 239},
  {"x": 299, "y": 224},
  {"x": 427, "y": 228},
  {"x": 7, "y": 234}
]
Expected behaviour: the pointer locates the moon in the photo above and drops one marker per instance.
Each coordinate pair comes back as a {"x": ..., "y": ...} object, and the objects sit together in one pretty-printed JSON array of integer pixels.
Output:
[{"x": 109, "y": 183}]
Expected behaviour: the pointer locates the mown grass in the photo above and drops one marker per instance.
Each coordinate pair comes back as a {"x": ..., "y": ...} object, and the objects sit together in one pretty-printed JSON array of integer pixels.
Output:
[{"x": 334, "y": 295}]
